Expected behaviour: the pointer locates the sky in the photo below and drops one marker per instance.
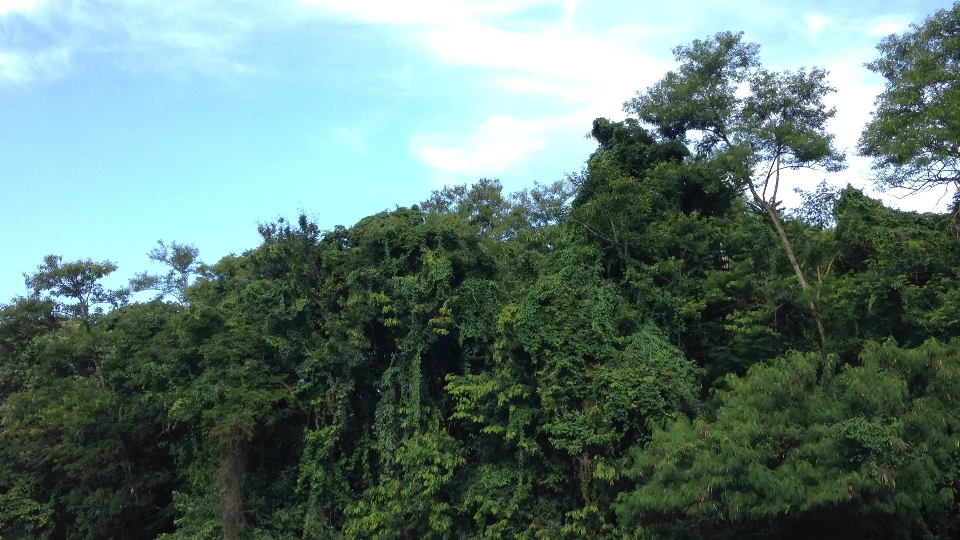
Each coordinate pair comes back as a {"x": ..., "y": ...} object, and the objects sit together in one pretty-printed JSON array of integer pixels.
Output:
[{"x": 127, "y": 122}]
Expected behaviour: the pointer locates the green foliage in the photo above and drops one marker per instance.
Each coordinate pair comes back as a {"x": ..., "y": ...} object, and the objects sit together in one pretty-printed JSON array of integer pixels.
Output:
[
  {"x": 692, "y": 257},
  {"x": 914, "y": 134},
  {"x": 627, "y": 353},
  {"x": 800, "y": 449},
  {"x": 78, "y": 282},
  {"x": 895, "y": 275},
  {"x": 21, "y": 323},
  {"x": 415, "y": 499},
  {"x": 816, "y": 207},
  {"x": 183, "y": 263},
  {"x": 81, "y": 453},
  {"x": 779, "y": 125},
  {"x": 576, "y": 378}
]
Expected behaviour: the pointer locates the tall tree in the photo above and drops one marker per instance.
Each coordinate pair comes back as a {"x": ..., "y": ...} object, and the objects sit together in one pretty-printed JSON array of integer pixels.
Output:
[
  {"x": 75, "y": 287},
  {"x": 914, "y": 136},
  {"x": 183, "y": 263},
  {"x": 75, "y": 290},
  {"x": 778, "y": 126}
]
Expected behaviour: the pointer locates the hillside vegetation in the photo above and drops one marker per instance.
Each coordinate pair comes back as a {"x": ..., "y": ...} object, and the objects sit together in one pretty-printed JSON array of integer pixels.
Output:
[{"x": 652, "y": 348}]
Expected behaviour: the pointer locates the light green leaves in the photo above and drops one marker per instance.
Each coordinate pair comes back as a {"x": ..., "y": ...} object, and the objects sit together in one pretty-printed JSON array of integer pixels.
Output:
[{"x": 914, "y": 136}]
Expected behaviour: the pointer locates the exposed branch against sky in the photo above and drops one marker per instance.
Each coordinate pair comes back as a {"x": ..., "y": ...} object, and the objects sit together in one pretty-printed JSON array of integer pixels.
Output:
[{"x": 122, "y": 122}]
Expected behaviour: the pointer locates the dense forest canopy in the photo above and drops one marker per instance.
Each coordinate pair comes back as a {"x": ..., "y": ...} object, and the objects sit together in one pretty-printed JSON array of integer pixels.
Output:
[{"x": 651, "y": 348}]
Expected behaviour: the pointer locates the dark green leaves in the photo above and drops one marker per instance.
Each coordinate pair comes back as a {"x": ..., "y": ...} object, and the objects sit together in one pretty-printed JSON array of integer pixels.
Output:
[
  {"x": 795, "y": 445},
  {"x": 75, "y": 286},
  {"x": 627, "y": 353},
  {"x": 701, "y": 94}
]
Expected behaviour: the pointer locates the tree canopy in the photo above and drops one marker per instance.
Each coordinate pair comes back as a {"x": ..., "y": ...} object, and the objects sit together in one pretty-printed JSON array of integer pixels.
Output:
[{"x": 914, "y": 135}]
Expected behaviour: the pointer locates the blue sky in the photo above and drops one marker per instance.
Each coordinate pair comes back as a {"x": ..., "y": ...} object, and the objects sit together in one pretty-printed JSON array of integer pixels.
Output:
[{"x": 125, "y": 122}]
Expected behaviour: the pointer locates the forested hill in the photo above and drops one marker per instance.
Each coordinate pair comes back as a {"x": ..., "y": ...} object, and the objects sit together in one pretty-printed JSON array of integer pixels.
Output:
[{"x": 651, "y": 348}]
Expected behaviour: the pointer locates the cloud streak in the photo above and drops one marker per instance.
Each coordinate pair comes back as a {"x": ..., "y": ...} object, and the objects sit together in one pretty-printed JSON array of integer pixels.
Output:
[
  {"x": 6, "y": 6},
  {"x": 885, "y": 28},
  {"x": 427, "y": 12},
  {"x": 199, "y": 36},
  {"x": 21, "y": 67},
  {"x": 493, "y": 147}
]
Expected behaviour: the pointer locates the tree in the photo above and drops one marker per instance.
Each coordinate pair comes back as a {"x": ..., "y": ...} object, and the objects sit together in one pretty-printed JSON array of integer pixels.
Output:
[
  {"x": 83, "y": 453},
  {"x": 801, "y": 448},
  {"x": 78, "y": 281},
  {"x": 894, "y": 274},
  {"x": 688, "y": 252},
  {"x": 183, "y": 262},
  {"x": 816, "y": 207},
  {"x": 914, "y": 136},
  {"x": 778, "y": 126}
]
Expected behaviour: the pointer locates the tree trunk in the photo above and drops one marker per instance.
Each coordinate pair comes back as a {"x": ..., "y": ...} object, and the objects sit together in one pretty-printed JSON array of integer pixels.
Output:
[
  {"x": 775, "y": 218},
  {"x": 230, "y": 483}
]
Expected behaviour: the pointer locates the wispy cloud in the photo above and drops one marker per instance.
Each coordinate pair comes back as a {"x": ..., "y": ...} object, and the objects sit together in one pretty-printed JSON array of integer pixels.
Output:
[
  {"x": 542, "y": 57},
  {"x": 427, "y": 12},
  {"x": 549, "y": 49},
  {"x": 15, "y": 67},
  {"x": 556, "y": 62},
  {"x": 21, "y": 67},
  {"x": 816, "y": 22},
  {"x": 6, "y": 6},
  {"x": 570, "y": 9},
  {"x": 885, "y": 28},
  {"x": 495, "y": 145},
  {"x": 201, "y": 36},
  {"x": 575, "y": 62}
]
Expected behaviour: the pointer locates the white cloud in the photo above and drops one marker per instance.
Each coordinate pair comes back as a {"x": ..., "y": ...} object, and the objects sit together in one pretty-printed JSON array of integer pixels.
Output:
[
  {"x": 885, "y": 28},
  {"x": 21, "y": 67},
  {"x": 14, "y": 67},
  {"x": 594, "y": 74},
  {"x": 498, "y": 143},
  {"x": 426, "y": 12},
  {"x": 568, "y": 93},
  {"x": 551, "y": 62},
  {"x": 553, "y": 51},
  {"x": 198, "y": 27},
  {"x": 6, "y": 6},
  {"x": 591, "y": 75},
  {"x": 175, "y": 37},
  {"x": 857, "y": 88},
  {"x": 816, "y": 22},
  {"x": 552, "y": 58}
]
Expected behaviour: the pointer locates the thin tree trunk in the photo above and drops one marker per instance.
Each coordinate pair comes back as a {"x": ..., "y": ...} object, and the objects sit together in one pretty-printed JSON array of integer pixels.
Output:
[
  {"x": 96, "y": 366},
  {"x": 94, "y": 353},
  {"x": 793, "y": 260}
]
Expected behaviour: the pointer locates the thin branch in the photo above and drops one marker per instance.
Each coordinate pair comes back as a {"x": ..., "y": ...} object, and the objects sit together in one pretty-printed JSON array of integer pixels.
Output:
[{"x": 776, "y": 185}]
